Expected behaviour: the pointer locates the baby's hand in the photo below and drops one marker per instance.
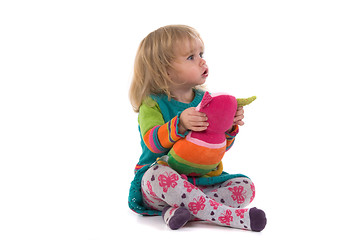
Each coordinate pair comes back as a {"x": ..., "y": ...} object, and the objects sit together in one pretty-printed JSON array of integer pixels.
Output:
[
  {"x": 240, "y": 113},
  {"x": 190, "y": 119},
  {"x": 238, "y": 118}
]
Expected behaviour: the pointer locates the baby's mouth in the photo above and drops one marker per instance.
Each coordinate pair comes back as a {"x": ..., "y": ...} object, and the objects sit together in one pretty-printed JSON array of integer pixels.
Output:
[{"x": 205, "y": 73}]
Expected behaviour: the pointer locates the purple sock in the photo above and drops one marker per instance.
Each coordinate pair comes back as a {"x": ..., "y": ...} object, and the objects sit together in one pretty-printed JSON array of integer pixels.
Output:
[
  {"x": 258, "y": 219},
  {"x": 175, "y": 218}
]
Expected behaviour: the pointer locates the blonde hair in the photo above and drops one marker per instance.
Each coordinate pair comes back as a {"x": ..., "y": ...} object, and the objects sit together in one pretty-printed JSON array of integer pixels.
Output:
[{"x": 154, "y": 57}]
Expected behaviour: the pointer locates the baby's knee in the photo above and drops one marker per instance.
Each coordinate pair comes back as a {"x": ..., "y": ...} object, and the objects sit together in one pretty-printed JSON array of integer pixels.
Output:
[
  {"x": 155, "y": 171},
  {"x": 160, "y": 176},
  {"x": 247, "y": 186},
  {"x": 243, "y": 181}
]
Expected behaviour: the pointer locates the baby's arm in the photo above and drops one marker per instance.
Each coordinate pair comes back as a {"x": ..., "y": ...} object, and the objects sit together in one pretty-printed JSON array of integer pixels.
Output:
[
  {"x": 230, "y": 136},
  {"x": 238, "y": 120},
  {"x": 233, "y": 131},
  {"x": 157, "y": 135}
]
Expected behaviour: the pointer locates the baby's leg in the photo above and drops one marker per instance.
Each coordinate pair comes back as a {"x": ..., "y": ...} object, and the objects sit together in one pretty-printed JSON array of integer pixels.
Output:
[
  {"x": 150, "y": 199},
  {"x": 236, "y": 192},
  {"x": 175, "y": 217},
  {"x": 168, "y": 186}
]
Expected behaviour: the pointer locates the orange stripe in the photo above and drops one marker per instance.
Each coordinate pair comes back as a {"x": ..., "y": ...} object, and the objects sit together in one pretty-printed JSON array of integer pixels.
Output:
[
  {"x": 164, "y": 134},
  {"x": 198, "y": 154}
]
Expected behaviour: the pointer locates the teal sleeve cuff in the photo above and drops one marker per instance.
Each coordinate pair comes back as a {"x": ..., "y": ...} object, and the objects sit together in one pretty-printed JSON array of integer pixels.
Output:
[
  {"x": 233, "y": 133},
  {"x": 177, "y": 128}
]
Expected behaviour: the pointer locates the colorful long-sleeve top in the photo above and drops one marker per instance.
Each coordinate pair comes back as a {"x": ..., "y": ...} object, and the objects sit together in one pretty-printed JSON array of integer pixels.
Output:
[{"x": 158, "y": 126}]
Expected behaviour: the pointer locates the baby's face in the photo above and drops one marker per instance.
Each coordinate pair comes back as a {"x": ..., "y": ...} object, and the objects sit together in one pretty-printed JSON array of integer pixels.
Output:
[{"x": 189, "y": 67}]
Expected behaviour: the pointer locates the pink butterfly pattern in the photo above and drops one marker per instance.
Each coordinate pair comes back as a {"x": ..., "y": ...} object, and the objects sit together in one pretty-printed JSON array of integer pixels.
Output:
[
  {"x": 253, "y": 192},
  {"x": 238, "y": 194},
  {"x": 189, "y": 186},
  {"x": 226, "y": 218},
  {"x": 240, "y": 212},
  {"x": 214, "y": 204},
  {"x": 229, "y": 183},
  {"x": 167, "y": 180},
  {"x": 146, "y": 197},
  {"x": 150, "y": 189},
  {"x": 197, "y": 205}
]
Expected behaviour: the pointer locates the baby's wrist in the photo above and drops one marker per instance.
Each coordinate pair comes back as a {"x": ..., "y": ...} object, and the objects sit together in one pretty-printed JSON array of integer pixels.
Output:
[
  {"x": 181, "y": 128},
  {"x": 231, "y": 129},
  {"x": 234, "y": 131}
]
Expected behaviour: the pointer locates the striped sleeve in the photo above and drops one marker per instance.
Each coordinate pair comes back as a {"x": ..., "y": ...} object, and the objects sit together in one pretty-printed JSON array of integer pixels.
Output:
[
  {"x": 157, "y": 135},
  {"x": 231, "y": 136}
]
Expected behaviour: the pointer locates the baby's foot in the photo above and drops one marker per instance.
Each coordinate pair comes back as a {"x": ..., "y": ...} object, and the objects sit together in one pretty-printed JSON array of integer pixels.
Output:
[
  {"x": 258, "y": 219},
  {"x": 175, "y": 218}
]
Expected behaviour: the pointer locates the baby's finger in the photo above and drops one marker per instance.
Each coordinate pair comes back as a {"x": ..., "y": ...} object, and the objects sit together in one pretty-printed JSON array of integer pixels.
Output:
[
  {"x": 240, "y": 123},
  {"x": 199, "y": 114},
  {"x": 200, "y": 124},
  {"x": 198, "y": 129},
  {"x": 198, "y": 118},
  {"x": 240, "y": 111},
  {"x": 238, "y": 118}
]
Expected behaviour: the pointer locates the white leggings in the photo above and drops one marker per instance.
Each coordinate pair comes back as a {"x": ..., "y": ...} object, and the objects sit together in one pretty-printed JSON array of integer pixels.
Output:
[{"x": 222, "y": 203}]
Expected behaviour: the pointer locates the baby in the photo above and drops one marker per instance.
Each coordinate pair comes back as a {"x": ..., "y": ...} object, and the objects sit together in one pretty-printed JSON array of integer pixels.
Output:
[{"x": 166, "y": 89}]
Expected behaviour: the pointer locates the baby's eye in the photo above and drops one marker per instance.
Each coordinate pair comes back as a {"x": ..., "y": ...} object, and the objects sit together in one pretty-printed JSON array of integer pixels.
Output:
[{"x": 191, "y": 57}]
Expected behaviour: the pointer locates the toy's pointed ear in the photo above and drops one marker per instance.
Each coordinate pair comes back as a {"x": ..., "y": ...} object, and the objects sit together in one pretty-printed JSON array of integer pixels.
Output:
[
  {"x": 207, "y": 98},
  {"x": 245, "y": 101}
]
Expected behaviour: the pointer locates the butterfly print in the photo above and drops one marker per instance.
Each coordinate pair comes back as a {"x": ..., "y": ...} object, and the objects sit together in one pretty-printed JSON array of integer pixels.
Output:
[
  {"x": 240, "y": 212},
  {"x": 238, "y": 194},
  {"x": 229, "y": 183},
  {"x": 150, "y": 189},
  {"x": 197, "y": 205},
  {"x": 253, "y": 192},
  {"x": 214, "y": 204},
  {"x": 226, "y": 218},
  {"x": 146, "y": 197},
  {"x": 168, "y": 180},
  {"x": 189, "y": 186}
]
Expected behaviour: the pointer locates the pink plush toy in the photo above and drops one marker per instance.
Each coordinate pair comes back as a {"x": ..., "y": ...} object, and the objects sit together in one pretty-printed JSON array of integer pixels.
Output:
[{"x": 200, "y": 153}]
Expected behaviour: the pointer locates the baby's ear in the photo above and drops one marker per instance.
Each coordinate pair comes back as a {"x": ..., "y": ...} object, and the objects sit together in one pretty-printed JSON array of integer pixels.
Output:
[
  {"x": 245, "y": 101},
  {"x": 207, "y": 98}
]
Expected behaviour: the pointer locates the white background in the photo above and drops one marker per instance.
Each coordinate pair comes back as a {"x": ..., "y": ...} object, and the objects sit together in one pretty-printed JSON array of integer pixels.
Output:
[{"x": 69, "y": 139}]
